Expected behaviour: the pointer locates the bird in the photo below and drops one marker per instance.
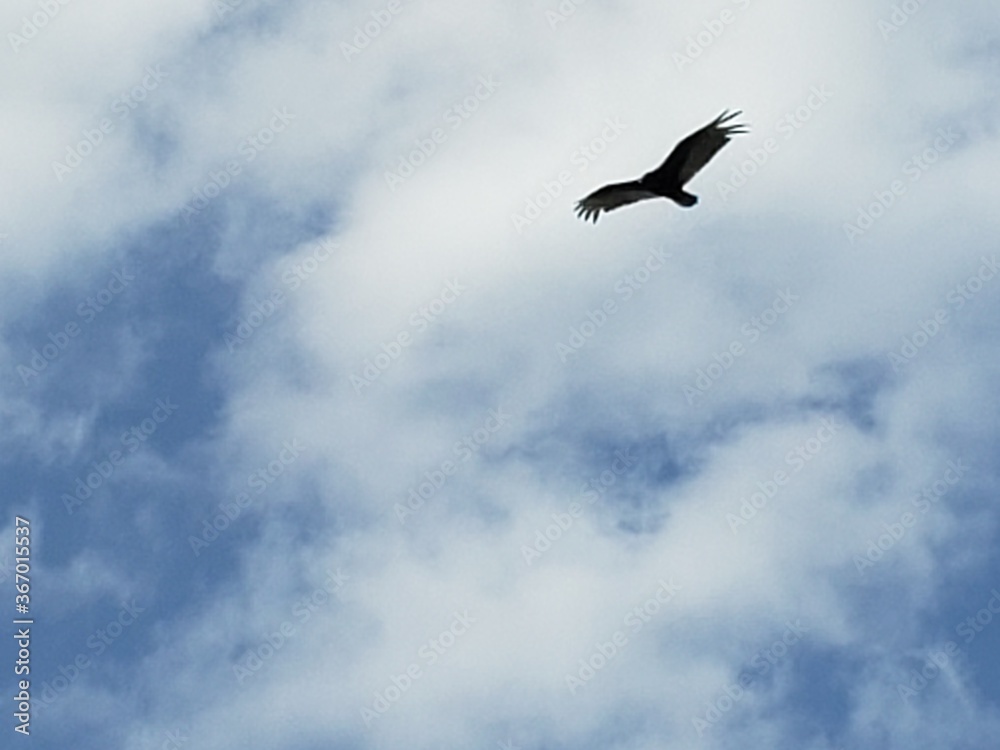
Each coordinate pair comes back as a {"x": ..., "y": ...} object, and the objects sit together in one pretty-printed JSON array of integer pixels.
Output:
[{"x": 667, "y": 180}]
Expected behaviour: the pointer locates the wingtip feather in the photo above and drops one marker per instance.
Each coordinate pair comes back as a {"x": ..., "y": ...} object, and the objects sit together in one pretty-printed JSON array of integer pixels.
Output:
[{"x": 737, "y": 129}]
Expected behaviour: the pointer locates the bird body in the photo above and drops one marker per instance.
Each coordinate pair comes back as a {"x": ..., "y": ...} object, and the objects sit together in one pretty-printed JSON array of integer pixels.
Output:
[{"x": 667, "y": 180}]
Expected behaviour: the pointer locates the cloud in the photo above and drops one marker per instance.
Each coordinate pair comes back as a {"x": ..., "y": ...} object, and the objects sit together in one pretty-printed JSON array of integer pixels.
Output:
[{"x": 746, "y": 447}]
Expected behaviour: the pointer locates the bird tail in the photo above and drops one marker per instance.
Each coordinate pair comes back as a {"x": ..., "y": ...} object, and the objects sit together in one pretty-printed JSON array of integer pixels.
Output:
[{"x": 685, "y": 199}]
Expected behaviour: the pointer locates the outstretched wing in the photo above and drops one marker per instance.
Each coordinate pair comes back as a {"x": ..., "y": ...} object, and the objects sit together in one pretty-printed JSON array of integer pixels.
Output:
[
  {"x": 611, "y": 197},
  {"x": 693, "y": 153}
]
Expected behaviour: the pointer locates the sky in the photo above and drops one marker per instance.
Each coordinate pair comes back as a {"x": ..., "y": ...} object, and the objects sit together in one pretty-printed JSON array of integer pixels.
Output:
[{"x": 327, "y": 423}]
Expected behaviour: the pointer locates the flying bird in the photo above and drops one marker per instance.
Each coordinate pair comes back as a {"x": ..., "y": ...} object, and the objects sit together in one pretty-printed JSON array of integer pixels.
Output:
[{"x": 668, "y": 180}]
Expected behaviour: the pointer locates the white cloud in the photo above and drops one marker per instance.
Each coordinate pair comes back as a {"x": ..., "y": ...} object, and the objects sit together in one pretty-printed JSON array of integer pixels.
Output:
[{"x": 402, "y": 254}]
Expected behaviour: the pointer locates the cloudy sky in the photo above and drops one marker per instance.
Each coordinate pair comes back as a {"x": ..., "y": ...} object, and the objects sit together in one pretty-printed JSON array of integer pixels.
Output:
[{"x": 329, "y": 425}]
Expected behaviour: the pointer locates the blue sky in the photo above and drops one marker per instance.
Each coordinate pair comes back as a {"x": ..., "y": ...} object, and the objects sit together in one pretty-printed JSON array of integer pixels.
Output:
[{"x": 336, "y": 428}]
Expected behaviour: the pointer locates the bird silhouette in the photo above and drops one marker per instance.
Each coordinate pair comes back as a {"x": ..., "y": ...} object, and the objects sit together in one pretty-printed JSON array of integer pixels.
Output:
[{"x": 667, "y": 180}]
